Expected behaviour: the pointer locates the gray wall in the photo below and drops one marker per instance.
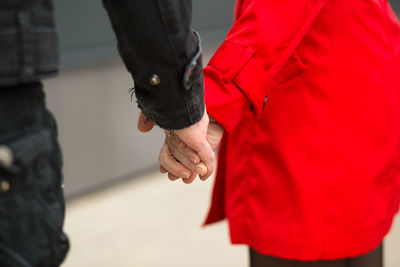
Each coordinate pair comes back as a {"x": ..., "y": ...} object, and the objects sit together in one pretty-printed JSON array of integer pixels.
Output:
[
  {"x": 396, "y": 5},
  {"x": 86, "y": 34}
]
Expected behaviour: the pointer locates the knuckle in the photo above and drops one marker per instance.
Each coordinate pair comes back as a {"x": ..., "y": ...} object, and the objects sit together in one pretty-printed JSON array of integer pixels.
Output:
[
  {"x": 175, "y": 169},
  {"x": 161, "y": 158},
  {"x": 188, "y": 151}
]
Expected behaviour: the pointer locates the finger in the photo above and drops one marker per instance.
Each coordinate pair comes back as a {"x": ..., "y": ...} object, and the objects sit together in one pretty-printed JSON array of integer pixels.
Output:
[
  {"x": 186, "y": 151},
  {"x": 195, "y": 138},
  {"x": 186, "y": 181},
  {"x": 169, "y": 163},
  {"x": 144, "y": 124},
  {"x": 176, "y": 140},
  {"x": 203, "y": 178},
  {"x": 207, "y": 156},
  {"x": 162, "y": 169},
  {"x": 172, "y": 177},
  {"x": 177, "y": 153},
  {"x": 191, "y": 179}
]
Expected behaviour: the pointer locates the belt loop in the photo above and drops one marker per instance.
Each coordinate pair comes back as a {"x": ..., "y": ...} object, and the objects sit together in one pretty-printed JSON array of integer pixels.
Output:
[{"x": 27, "y": 70}]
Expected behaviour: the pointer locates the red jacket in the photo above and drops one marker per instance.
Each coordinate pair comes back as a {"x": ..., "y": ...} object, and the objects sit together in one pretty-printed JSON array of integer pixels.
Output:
[{"x": 308, "y": 92}]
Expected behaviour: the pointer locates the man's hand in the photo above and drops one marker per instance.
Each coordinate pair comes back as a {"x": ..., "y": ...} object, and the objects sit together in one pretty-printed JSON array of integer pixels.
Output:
[{"x": 144, "y": 124}]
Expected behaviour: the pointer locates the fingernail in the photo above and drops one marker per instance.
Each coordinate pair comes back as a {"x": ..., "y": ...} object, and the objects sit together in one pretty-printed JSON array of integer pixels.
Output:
[
  {"x": 201, "y": 171},
  {"x": 185, "y": 175},
  {"x": 195, "y": 160}
]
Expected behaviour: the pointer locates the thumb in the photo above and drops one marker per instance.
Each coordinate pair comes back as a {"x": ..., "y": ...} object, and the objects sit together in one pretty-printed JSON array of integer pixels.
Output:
[
  {"x": 144, "y": 124},
  {"x": 207, "y": 156}
]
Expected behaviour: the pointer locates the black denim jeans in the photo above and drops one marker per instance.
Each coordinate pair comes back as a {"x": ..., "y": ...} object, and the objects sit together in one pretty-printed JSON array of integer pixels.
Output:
[
  {"x": 28, "y": 41},
  {"x": 31, "y": 195}
]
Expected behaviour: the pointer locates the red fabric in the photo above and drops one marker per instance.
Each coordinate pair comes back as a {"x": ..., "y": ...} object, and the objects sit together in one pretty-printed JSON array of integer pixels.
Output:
[{"x": 314, "y": 173}]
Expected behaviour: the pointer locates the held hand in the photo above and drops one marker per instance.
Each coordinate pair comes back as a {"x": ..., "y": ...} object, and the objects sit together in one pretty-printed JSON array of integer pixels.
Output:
[
  {"x": 195, "y": 138},
  {"x": 177, "y": 169},
  {"x": 214, "y": 133},
  {"x": 174, "y": 168},
  {"x": 181, "y": 156}
]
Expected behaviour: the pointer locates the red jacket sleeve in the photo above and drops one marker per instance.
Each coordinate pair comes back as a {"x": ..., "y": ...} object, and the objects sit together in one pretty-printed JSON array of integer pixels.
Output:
[{"x": 239, "y": 76}]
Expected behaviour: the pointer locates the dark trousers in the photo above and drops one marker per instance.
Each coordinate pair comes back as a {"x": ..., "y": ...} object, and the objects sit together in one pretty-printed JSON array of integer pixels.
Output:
[
  {"x": 31, "y": 195},
  {"x": 372, "y": 259}
]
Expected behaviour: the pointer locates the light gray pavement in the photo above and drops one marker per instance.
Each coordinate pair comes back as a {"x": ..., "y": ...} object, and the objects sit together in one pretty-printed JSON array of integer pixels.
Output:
[{"x": 150, "y": 221}]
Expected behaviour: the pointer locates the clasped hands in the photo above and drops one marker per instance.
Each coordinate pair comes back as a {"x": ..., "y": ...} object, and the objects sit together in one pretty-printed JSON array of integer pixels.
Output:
[{"x": 188, "y": 152}]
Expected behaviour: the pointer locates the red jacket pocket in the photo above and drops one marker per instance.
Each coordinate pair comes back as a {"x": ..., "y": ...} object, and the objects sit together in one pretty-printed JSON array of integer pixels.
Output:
[{"x": 293, "y": 68}]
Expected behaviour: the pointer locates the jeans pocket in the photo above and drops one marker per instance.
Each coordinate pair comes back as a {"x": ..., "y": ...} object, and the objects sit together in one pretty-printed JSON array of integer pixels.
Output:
[{"x": 25, "y": 151}]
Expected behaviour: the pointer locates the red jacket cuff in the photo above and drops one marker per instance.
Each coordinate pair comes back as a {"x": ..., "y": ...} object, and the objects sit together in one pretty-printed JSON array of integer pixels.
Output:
[{"x": 235, "y": 82}]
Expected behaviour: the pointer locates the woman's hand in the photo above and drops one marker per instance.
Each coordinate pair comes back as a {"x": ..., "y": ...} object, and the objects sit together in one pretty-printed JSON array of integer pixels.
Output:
[{"x": 180, "y": 161}]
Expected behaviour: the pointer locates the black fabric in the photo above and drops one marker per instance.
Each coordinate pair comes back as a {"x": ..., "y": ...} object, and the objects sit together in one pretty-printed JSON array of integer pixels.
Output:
[
  {"x": 32, "y": 210},
  {"x": 372, "y": 259},
  {"x": 155, "y": 38},
  {"x": 28, "y": 41}
]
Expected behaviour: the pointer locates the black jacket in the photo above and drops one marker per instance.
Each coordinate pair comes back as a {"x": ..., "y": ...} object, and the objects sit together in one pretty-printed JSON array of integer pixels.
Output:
[
  {"x": 163, "y": 55},
  {"x": 155, "y": 41}
]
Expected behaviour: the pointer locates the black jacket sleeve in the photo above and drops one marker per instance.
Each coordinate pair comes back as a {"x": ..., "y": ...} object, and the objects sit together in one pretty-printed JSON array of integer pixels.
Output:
[{"x": 163, "y": 55}]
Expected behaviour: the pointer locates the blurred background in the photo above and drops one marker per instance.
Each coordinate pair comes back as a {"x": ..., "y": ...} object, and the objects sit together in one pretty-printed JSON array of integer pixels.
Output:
[
  {"x": 90, "y": 98},
  {"x": 120, "y": 211}
]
